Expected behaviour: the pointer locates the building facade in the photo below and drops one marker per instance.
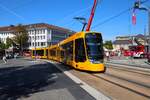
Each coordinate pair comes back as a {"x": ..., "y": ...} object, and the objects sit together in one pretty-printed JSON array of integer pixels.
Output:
[
  {"x": 40, "y": 34},
  {"x": 124, "y": 42}
]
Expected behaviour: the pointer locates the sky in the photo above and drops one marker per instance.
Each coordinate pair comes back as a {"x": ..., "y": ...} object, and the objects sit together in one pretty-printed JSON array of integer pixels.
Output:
[{"x": 62, "y": 12}]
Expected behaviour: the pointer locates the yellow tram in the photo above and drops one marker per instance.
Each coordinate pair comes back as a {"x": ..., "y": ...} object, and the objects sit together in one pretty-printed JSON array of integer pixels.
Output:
[
  {"x": 83, "y": 50},
  {"x": 40, "y": 53}
]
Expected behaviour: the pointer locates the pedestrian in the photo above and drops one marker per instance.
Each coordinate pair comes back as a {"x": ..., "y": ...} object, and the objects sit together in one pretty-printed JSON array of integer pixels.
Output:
[
  {"x": 4, "y": 59},
  {"x": 107, "y": 55},
  {"x": 15, "y": 55},
  {"x": 119, "y": 54}
]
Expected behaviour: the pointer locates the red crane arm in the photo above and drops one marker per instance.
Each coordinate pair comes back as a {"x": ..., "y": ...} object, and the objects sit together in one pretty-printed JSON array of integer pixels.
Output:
[{"x": 91, "y": 16}]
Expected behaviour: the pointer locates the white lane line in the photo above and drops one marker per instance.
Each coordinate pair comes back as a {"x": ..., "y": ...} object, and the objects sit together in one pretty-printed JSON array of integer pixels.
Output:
[{"x": 92, "y": 91}]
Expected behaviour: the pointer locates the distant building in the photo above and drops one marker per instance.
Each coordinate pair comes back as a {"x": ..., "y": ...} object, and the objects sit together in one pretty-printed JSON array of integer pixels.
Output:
[
  {"x": 45, "y": 34},
  {"x": 124, "y": 42}
]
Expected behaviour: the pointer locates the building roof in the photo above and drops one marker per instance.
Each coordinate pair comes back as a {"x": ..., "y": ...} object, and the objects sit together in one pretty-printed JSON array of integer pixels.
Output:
[
  {"x": 140, "y": 36},
  {"x": 37, "y": 25},
  {"x": 122, "y": 42},
  {"x": 6, "y": 28},
  {"x": 130, "y": 37}
]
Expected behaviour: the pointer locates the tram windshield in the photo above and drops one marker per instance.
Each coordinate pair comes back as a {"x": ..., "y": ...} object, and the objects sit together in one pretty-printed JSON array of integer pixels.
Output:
[{"x": 94, "y": 46}]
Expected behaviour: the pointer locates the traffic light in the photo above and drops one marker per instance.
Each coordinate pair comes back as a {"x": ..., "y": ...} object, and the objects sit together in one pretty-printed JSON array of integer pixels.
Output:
[{"x": 136, "y": 5}]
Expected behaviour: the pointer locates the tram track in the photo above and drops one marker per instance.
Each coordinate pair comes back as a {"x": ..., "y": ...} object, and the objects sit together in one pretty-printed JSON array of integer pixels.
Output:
[
  {"x": 131, "y": 85},
  {"x": 126, "y": 83},
  {"x": 133, "y": 70},
  {"x": 125, "y": 87},
  {"x": 129, "y": 68},
  {"x": 128, "y": 80},
  {"x": 117, "y": 86}
]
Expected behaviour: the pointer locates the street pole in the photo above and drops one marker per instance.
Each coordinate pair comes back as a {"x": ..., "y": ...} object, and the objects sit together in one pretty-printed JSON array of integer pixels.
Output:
[
  {"x": 137, "y": 5},
  {"x": 21, "y": 46}
]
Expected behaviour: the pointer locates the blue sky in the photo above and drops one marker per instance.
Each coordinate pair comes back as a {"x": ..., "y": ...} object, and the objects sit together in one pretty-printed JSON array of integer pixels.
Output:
[{"x": 62, "y": 12}]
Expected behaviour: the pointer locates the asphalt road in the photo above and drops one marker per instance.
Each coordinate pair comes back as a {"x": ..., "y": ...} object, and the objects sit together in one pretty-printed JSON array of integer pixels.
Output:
[{"x": 24, "y": 79}]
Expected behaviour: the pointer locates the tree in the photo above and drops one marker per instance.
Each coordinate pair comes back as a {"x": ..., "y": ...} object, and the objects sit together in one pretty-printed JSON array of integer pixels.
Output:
[
  {"x": 108, "y": 45},
  {"x": 9, "y": 42},
  {"x": 2, "y": 45},
  {"x": 21, "y": 37}
]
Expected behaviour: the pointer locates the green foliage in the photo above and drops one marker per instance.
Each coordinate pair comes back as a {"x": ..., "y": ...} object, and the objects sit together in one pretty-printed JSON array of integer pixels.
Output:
[
  {"x": 2, "y": 45},
  {"x": 21, "y": 36},
  {"x": 9, "y": 42},
  {"x": 108, "y": 45}
]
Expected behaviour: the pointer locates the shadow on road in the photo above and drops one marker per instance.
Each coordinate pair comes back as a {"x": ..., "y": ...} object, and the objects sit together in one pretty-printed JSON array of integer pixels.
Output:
[{"x": 17, "y": 82}]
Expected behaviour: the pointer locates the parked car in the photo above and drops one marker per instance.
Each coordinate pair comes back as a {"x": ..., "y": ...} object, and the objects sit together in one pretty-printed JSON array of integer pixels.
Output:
[{"x": 27, "y": 54}]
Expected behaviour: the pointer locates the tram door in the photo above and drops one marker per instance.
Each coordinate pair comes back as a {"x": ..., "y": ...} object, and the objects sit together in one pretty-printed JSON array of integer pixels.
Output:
[
  {"x": 79, "y": 51},
  {"x": 68, "y": 52}
]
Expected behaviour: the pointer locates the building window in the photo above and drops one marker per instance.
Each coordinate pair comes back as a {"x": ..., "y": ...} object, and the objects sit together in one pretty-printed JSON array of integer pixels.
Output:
[
  {"x": 32, "y": 37},
  {"x": 38, "y": 31},
  {"x": 41, "y": 43},
  {"x": 31, "y": 32},
  {"x": 29, "y": 43},
  {"x": 33, "y": 44}
]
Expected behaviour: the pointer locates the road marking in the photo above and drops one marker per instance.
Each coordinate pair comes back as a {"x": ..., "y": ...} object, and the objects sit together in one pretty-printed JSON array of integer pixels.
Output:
[{"x": 92, "y": 91}]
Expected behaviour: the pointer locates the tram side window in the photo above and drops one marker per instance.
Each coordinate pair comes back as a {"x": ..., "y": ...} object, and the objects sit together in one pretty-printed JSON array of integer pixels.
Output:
[
  {"x": 70, "y": 50},
  {"x": 62, "y": 54},
  {"x": 67, "y": 50},
  {"x": 52, "y": 52},
  {"x": 39, "y": 52},
  {"x": 79, "y": 50},
  {"x": 33, "y": 52}
]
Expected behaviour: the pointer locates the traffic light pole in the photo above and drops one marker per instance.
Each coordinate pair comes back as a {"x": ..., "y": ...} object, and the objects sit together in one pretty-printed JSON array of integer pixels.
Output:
[{"x": 148, "y": 10}]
